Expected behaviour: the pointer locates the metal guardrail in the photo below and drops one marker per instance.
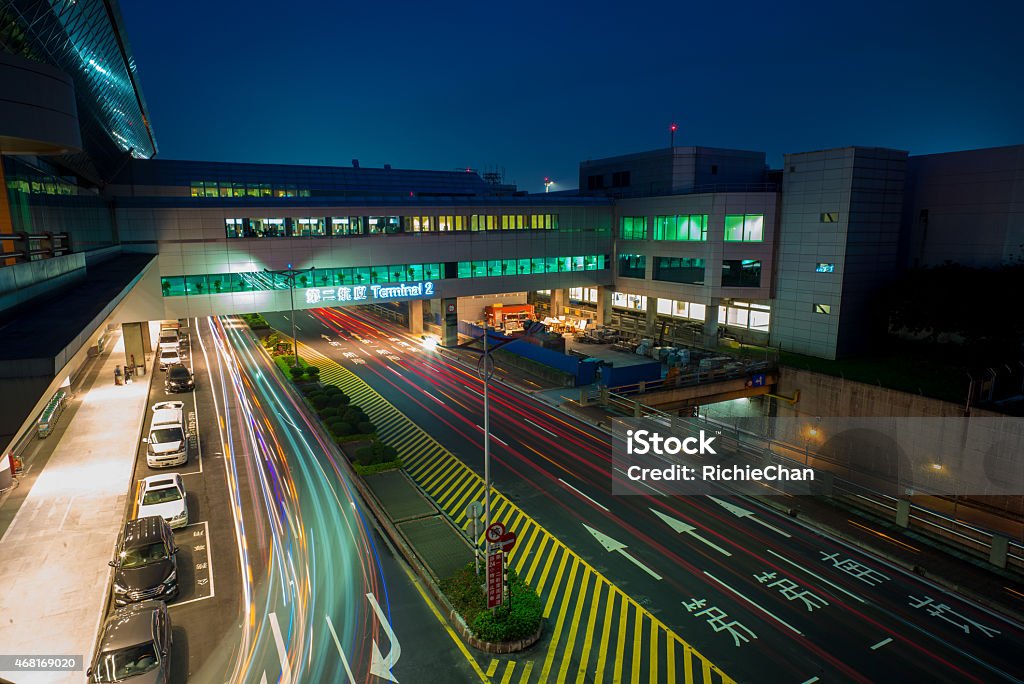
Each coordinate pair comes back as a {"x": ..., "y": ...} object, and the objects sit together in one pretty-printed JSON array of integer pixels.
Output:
[
  {"x": 971, "y": 538},
  {"x": 695, "y": 378}
]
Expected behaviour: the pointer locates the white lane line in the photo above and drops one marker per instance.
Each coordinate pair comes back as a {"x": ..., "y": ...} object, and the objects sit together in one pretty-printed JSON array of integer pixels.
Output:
[
  {"x": 582, "y": 494},
  {"x": 209, "y": 559},
  {"x": 479, "y": 394},
  {"x": 495, "y": 437},
  {"x": 756, "y": 605},
  {"x": 880, "y": 644},
  {"x": 337, "y": 644},
  {"x": 433, "y": 397},
  {"x": 527, "y": 420},
  {"x": 282, "y": 654},
  {"x": 810, "y": 681},
  {"x": 815, "y": 575}
]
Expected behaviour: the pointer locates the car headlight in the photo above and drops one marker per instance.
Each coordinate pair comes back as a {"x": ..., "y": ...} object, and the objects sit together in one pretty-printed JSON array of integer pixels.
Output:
[
  {"x": 180, "y": 515},
  {"x": 118, "y": 589},
  {"x": 172, "y": 577}
]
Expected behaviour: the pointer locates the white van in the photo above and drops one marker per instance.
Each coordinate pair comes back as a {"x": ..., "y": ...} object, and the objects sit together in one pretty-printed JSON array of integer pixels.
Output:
[
  {"x": 169, "y": 340},
  {"x": 168, "y": 436}
]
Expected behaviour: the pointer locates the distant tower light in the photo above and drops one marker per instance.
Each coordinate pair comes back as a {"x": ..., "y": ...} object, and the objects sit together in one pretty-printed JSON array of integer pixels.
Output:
[
  {"x": 672, "y": 134},
  {"x": 547, "y": 184}
]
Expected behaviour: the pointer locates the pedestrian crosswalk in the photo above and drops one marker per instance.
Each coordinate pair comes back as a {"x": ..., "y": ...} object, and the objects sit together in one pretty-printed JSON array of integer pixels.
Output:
[{"x": 594, "y": 631}]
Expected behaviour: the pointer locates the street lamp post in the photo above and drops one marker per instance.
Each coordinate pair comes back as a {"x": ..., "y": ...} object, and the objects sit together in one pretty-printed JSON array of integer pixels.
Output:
[{"x": 292, "y": 273}]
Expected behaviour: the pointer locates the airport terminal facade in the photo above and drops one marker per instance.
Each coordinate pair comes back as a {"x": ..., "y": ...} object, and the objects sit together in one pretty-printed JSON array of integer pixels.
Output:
[{"x": 713, "y": 239}]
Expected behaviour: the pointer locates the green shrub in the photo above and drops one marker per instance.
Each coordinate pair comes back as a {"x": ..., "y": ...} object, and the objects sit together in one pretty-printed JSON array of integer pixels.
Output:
[
  {"x": 341, "y": 428},
  {"x": 321, "y": 401},
  {"x": 365, "y": 427},
  {"x": 311, "y": 390},
  {"x": 312, "y": 371},
  {"x": 297, "y": 372},
  {"x": 329, "y": 413},
  {"x": 465, "y": 590},
  {"x": 375, "y": 452}
]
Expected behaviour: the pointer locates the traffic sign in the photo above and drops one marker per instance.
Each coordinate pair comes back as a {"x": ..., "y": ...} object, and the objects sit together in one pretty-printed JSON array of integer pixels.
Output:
[
  {"x": 495, "y": 532},
  {"x": 474, "y": 510},
  {"x": 506, "y": 542},
  {"x": 758, "y": 380},
  {"x": 495, "y": 579}
]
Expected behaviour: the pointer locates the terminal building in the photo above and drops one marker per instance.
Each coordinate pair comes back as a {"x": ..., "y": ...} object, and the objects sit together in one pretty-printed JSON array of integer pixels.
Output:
[{"x": 98, "y": 231}]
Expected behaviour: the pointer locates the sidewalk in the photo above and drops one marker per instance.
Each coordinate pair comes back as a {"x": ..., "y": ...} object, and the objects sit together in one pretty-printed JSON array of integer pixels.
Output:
[{"x": 54, "y": 554}]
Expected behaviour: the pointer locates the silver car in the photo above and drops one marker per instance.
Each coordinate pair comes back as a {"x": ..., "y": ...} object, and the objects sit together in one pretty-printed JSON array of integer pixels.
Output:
[{"x": 136, "y": 645}]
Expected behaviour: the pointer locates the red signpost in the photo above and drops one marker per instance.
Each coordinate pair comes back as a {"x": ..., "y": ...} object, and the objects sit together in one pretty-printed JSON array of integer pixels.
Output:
[{"x": 495, "y": 579}]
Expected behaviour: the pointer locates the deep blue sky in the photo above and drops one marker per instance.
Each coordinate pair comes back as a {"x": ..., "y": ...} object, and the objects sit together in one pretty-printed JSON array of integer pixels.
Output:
[{"x": 534, "y": 88}]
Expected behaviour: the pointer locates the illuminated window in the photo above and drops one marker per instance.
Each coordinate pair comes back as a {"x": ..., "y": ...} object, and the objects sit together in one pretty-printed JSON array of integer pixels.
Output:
[
  {"x": 692, "y": 227},
  {"x": 744, "y": 227},
  {"x": 679, "y": 270},
  {"x": 346, "y": 225},
  {"x": 233, "y": 227},
  {"x": 830, "y": 217},
  {"x": 825, "y": 268},
  {"x": 823, "y": 309},
  {"x": 634, "y": 228},
  {"x": 632, "y": 265}
]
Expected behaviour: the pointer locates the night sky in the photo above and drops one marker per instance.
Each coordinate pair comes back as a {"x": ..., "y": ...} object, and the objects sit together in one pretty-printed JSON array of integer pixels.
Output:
[{"x": 534, "y": 88}]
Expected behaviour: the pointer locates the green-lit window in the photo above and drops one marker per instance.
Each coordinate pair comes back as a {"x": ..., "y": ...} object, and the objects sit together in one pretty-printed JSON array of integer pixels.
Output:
[
  {"x": 508, "y": 267},
  {"x": 634, "y": 228},
  {"x": 226, "y": 191},
  {"x": 666, "y": 227},
  {"x": 209, "y": 189},
  {"x": 233, "y": 227},
  {"x": 414, "y": 272},
  {"x": 744, "y": 227},
  {"x": 196, "y": 188},
  {"x": 172, "y": 286},
  {"x": 693, "y": 227},
  {"x": 465, "y": 269},
  {"x": 632, "y": 265},
  {"x": 538, "y": 265},
  {"x": 577, "y": 263},
  {"x": 523, "y": 266},
  {"x": 266, "y": 190},
  {"x": 431, "y": 271},
  {"x": 590, "y": 262},
  {"x": 196, "y": 284}
]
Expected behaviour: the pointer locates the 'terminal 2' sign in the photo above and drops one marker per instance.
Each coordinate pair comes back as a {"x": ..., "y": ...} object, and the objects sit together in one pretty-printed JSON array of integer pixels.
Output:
[{"x": 369, "y": 293}]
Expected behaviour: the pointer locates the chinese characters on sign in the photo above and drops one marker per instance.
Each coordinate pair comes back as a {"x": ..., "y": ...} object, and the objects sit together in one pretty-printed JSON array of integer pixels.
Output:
[
  {"x": 369, "y": 293},
  {"x": 495, "y": 579},
  {"x": 854, "y": 569},
  {"x": 716, "y": 617}
]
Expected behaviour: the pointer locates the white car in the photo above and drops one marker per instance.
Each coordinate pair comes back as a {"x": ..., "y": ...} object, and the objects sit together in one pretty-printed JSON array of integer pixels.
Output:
[
  {"x": 164, "y": 495},
  {"x": 169, "y": 357}
]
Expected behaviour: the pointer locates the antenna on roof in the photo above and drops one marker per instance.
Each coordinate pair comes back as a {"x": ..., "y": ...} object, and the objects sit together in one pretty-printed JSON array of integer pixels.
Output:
[{"x": 672, "y": 134}]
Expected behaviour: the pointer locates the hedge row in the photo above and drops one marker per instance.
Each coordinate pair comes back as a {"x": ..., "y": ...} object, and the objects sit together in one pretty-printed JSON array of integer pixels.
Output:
[
  {"x": 517, "y": 618},
  {"x": 344, "y": 421}
]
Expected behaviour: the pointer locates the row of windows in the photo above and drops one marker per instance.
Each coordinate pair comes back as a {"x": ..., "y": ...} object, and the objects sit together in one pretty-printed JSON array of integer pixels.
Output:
[
  {"x": 499, "y": 267},
  {"x": 50, "y": 185},
  {"x": 234, "y": 189},
  {"x": 320, "y": 226},
  {"x": 218, "y": 283},
  {"x": 735, "y": 272},
  {"x": 694, "y": 227}
]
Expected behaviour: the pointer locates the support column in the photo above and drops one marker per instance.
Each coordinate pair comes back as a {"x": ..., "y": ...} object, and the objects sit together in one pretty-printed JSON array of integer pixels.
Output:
[
  {"x": 711, "y": 324},
  {"x": 652, "y": 316},
  {"x": 416, "y": 316},
  {"x": 559, "y": 300},
  {"x": 450, "y": 322},
  {"x": 604, "y": 306},
  {"x": 135, "y": 346}
]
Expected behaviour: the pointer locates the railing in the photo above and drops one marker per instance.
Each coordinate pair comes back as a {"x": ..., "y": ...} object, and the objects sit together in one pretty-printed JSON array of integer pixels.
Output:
[
  {"x": 970, "y": 538},
  {"x": 48, "y": 418},
  {"x": 696, "y": 378}
]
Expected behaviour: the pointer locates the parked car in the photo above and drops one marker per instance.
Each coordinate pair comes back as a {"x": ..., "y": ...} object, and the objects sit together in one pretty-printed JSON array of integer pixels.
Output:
[
  {"x": 179, "y": 379},
  {"x": 168, "y": 436},
  {"x": 164, "y": 495},
  {"x": 146, "y": 565},
  {"x": 169, "y": 339},
  {"x": 169, "y": 357},
  {"x": 135, "y": 644}
]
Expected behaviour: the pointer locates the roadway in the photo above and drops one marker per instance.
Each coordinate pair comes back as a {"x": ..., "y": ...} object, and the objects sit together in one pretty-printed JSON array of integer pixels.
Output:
[
  {"x": 283, "y": 577},
  {"x": 762, "y": 596}
]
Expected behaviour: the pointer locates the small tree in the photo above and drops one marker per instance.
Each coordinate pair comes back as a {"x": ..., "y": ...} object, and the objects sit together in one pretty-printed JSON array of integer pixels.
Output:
[
  {"x": 216, "y": 285},
  {"x": 166, "y": 287},
  {"x": 303, "y": 281},
  {"x": 199, "y": 286}
]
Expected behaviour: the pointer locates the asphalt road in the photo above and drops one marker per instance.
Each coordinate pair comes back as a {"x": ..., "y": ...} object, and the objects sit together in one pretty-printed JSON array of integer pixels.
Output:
[
  {"x": 283, "y": 577},
  {"x": 764, "y": 597}
]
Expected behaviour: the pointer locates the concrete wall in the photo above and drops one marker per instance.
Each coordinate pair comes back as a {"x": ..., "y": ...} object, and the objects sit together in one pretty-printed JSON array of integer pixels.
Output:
[
  {"x": 828, "y": 396},
  {"x": 965, "y": 207},
  {"x": 675, "y": 170},
  {"x": 38, "y": 114}
]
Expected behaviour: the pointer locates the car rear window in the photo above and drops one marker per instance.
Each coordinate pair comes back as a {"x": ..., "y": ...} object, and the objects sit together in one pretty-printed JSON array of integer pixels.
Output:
[{"x": 179, "y": 373}]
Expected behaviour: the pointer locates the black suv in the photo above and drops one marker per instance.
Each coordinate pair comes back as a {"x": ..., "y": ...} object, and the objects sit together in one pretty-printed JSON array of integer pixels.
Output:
[
  {"x": 135, "y": 644},
  {"x": 146, "y": 566},
  {"x": 179, "y": 379}
]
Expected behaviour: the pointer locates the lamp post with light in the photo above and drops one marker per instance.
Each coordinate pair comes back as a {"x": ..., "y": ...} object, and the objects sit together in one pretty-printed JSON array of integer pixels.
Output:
[{"x": 292, "y": 273}]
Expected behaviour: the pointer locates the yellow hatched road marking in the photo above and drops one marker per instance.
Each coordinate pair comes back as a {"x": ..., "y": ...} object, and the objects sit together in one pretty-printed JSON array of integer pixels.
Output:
[
  {"x": 653, "y": 675},
  {"x": 529, "y": 537},
  {"x": 457, "y": 493},
  {"x": 525, "y": 678},
  {"x": 556, "y": 634},
  {"x": 620, "y": 642},
  {"x": 670, "y": 662},
  {"x": 571, "y": 642},
  {"x": 606, "y": 628},
  {"x": 430, "y": 462},
  {"x": 508, "y": 672},
  {"x": 449, "y": 483},
  {"x": 544, "y": 537},
  {"x": 492, "y": 668},
  {"x": 475, "y": 493},
  {"x": 588, "y": 634},
  {"x": 638, "y": 640}
]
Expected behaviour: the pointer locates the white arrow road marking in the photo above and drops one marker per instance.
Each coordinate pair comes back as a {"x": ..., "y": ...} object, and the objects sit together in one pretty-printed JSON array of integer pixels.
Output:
[
  {"x": 263, "y": 679},
  {"x": 811, "y": 680},
  {"x": 880, "y": 644},
  {"x": 762, "y": 608},
  {"x": 379, "y": 665},
  {"x": 344, "y": 660},
  {"x": 282, "y": 653},
  {"x": 613, "y": 546},
  {"x": 680, "y": 526},
  {"x": 744, "y": 513}
]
